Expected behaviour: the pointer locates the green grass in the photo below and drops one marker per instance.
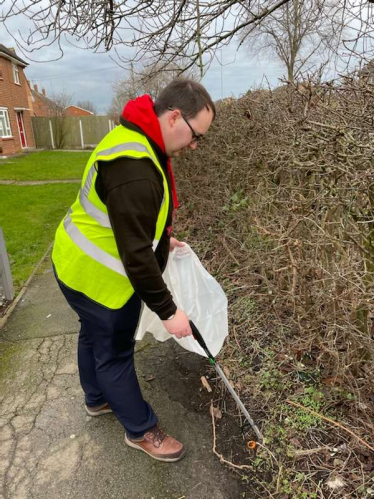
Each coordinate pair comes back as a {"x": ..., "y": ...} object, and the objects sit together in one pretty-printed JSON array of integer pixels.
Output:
[
  {"x": 29, "y": 216},
  {"x": 44, "y": 165}
]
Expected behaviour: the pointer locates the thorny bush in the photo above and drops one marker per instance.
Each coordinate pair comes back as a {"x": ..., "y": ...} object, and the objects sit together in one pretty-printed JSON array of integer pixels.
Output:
[{"x": 278, "y": 202}]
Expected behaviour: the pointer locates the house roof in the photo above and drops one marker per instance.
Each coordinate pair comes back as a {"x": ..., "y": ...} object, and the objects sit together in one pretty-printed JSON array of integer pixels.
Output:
[
  {"x": 9, "y": 54},
  {"x": 43, "y": 98},
  {"x": 77, "y": 107}
]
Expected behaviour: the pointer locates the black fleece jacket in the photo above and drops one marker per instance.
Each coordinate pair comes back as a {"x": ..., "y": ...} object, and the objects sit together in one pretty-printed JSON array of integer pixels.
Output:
[{"x": 132, "y": 190}]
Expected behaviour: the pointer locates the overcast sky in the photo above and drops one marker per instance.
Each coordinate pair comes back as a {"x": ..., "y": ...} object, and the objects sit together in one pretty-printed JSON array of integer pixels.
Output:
[{"x": 89, "y": 76}]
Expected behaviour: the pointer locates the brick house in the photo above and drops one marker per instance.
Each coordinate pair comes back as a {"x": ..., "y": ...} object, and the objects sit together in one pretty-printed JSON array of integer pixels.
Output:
[
  {"x": 77, "y": 111},
  {"x": 39, "y": 103},
  {"x": 16, "y": 133}
]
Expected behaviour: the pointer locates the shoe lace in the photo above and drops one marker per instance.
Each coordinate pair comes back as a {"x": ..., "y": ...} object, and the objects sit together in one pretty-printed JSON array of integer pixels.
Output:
[{"x": 157, "y": 436}]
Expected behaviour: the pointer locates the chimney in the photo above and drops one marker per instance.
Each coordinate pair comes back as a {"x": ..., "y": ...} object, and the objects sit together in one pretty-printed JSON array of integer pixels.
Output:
[
  {"x": 36, "y": 87},
  {"x": 12, "y": 49},
  {"x": 43, "y": 92}
]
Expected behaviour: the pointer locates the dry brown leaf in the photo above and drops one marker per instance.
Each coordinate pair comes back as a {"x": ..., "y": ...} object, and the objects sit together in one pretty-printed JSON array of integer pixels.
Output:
[
  {"x": 217, "y": 413},
  {"x": 205, "y": 383},
  {"x": 332, "y": 380}
]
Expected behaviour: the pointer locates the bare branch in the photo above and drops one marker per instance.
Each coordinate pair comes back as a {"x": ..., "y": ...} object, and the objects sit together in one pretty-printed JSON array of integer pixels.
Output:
[{"x": 163, "y": 31}]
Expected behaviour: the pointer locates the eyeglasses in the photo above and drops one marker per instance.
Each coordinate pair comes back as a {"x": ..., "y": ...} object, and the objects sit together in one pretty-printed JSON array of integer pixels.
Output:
[{"x": 195, "y": 137}]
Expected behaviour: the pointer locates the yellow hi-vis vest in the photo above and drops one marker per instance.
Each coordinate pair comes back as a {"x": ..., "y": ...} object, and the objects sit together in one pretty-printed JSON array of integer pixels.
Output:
[{"x": 85, "y": 253}]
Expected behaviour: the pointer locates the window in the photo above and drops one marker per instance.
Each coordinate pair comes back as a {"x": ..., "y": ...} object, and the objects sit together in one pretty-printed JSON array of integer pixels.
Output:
[
  {"x": 5, "y": 130},
  {"x": 16, "y": 74}
]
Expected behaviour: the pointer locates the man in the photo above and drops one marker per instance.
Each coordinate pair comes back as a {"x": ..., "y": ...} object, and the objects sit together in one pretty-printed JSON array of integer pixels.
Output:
[{"x": 112, "y": 247}]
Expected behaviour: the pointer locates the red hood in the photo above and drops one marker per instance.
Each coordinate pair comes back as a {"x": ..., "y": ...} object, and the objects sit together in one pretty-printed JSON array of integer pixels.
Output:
[{"x": 140, "y": 111}]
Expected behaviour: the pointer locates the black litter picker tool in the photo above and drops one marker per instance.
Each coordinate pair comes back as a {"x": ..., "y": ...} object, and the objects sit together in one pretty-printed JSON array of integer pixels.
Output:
[{"x": 197, "y": 335}]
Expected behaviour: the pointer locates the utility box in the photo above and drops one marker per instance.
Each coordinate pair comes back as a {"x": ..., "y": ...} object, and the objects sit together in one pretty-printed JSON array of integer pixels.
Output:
[{"x": 6, "y": 281}]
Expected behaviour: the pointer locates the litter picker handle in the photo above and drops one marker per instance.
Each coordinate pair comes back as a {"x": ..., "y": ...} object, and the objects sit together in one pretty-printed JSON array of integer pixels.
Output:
[{"x": 198, "y": 337}]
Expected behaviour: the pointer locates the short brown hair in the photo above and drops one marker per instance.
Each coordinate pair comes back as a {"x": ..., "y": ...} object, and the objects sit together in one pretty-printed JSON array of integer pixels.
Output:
[{"x": 187, "y": 95}]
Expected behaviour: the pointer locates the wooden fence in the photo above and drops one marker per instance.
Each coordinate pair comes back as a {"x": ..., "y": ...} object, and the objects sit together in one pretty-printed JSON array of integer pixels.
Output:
[{"x": 70, "y": 132}]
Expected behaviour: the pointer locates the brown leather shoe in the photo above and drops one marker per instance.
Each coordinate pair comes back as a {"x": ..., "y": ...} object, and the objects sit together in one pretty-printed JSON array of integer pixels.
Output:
[
  {"x": 99, "y": 410},
  {"x": 158, "y": 445}
]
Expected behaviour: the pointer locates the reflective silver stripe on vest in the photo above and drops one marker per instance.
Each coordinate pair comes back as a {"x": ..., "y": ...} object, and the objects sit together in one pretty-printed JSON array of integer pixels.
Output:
[
  {"x": 88, "y": 182},
  {"x": 92, "y": 210},
  {"x": 126, "y": 146},
  {"x": 91, "y": 249},
  {"x": 87, "y": 246},
  {"x": 100, "y": 217}
]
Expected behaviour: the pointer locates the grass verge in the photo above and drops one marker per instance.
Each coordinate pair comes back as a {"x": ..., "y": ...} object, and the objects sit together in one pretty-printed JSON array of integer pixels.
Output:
[
  {"x": 29, "y": 217},
  {"x": 44, "y": 165}
]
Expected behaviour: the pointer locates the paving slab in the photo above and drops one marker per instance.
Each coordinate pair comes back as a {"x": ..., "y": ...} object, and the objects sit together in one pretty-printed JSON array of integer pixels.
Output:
[{"x": 49, "y": 447}]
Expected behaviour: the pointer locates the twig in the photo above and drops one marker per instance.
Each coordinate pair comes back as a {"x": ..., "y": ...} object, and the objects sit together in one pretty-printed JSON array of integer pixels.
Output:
[
  {"x": 229, "y": 250},
  {"x": 270, "y": 453},
  {"x": 324, "y": 125},
  {"x": 236, "y": 338},
  {"x": 330, "y": 421},
  {"x": 220, "y": 457},
  {"x": 278, "y": 478},
  {"x": 308, "y": 452},
  {"x": 294, "y": 272}
]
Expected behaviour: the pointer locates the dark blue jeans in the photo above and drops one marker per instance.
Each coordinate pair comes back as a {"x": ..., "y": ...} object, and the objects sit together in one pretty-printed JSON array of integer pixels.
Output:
[{"x": 106, "y": 360}]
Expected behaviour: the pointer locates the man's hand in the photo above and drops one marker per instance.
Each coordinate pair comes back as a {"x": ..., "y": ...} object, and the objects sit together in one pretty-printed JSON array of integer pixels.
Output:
[
  {"x": 175, "y": 243},
  {"x": 179, "y": 325}
]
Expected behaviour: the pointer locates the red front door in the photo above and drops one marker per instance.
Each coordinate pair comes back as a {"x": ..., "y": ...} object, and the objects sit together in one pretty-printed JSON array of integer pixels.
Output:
[{"x": 21, "y": 129}]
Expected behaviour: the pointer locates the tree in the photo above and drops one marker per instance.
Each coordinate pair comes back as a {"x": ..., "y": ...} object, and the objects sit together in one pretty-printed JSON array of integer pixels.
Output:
[
  {"x": 87, "y": 105},
  {"x": 61, "y": 101},
  {"x": 149, "y": 80},
  {"x": 161, "y": 30},
  {"x": 165, "y": 31},
  {"x": 359, "y": 21},
  {"x": 115, "y": 109},
  {"x": 295, "y": 33}
]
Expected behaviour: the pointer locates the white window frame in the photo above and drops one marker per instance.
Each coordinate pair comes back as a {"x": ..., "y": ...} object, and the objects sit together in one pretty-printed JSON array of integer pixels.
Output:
[
  {"x": 16, "y": 74},
  {"x": 8, "y": 129}
]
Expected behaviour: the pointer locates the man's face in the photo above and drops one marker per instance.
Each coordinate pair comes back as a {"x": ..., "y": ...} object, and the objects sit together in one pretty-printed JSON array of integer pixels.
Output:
[{"x": 183, "y": 133}]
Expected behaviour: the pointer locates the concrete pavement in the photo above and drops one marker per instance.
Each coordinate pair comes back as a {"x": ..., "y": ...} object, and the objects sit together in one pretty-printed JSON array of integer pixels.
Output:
[{"x": 49, "y": 447}]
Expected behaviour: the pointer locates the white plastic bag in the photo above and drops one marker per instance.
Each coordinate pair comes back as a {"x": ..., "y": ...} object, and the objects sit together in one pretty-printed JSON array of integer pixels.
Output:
[{"x": 196, "y": 292}]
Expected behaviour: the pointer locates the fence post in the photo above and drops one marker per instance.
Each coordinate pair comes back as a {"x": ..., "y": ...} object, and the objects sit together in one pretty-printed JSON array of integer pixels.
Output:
[
  {"x": 5, "y": 274},
  {"x": 51, "y": 131},
  {"x": 81, "y": 129}
]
